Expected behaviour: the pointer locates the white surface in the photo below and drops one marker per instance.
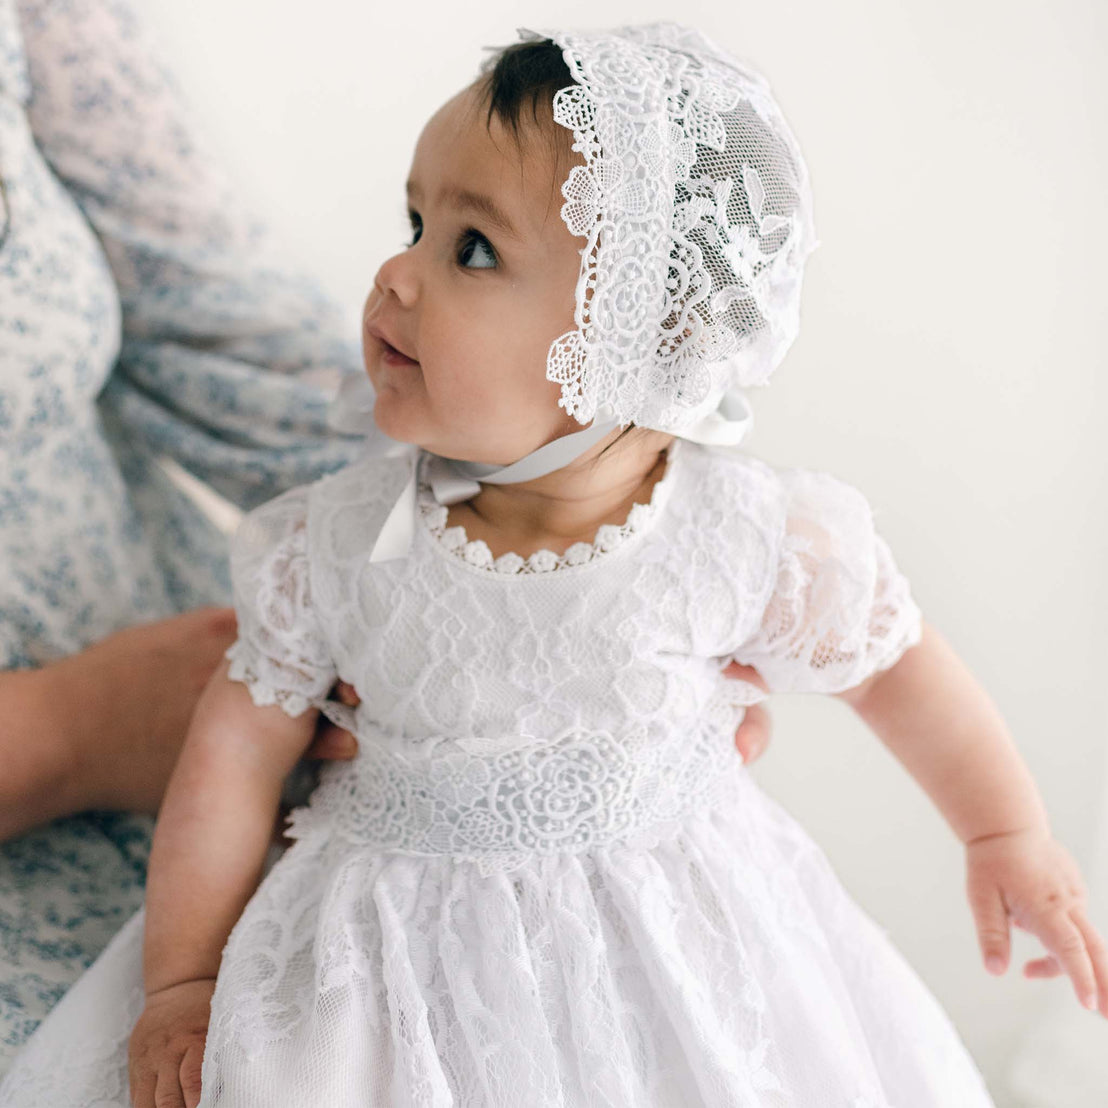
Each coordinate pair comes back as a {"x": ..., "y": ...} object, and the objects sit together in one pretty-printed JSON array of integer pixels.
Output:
[{"x": 950, "y": 360}]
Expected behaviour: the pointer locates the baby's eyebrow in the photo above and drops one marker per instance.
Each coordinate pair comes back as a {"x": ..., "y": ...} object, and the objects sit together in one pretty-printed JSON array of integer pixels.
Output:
[{"x": 475, "y": 201}]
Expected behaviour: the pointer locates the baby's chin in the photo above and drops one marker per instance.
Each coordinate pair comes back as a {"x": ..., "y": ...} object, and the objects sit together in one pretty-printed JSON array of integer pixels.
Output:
[
  {"x": 396, "y": 416},
  {"x": 391, "y": 418},
  {"x": 397, "y": 420}
]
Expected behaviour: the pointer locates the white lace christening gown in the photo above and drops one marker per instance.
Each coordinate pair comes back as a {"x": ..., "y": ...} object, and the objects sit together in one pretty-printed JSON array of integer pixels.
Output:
[{"x": 548, "y": 879}]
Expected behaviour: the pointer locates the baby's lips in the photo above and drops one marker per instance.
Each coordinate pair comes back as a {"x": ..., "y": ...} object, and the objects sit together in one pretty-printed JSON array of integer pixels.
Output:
[
  {"x": 395, "y": 355},
  {"x": 384, "y": 337}
]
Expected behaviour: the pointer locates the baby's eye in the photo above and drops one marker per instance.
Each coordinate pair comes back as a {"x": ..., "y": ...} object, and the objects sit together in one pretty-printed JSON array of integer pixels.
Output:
[{"x": 471, "y": 242}]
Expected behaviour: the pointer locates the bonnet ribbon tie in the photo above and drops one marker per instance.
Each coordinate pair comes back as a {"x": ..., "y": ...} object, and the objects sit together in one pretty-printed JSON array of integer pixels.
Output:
[{"x": 453, "y": 480}]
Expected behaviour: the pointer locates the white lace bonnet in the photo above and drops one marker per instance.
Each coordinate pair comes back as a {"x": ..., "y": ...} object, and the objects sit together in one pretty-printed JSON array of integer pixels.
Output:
[{"x": 695, "y": 205}]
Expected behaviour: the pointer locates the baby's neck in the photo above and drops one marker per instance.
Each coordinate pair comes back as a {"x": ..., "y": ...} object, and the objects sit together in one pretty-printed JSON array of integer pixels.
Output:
[{"x": 562, "y": 508}]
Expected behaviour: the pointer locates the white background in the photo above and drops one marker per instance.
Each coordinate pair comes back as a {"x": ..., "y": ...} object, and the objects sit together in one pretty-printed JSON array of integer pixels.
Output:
[{"x": 950, "y": 363}]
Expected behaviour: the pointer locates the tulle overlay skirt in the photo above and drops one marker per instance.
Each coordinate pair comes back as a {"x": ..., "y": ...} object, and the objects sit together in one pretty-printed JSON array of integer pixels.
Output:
[{"x": 723, "y": 965}]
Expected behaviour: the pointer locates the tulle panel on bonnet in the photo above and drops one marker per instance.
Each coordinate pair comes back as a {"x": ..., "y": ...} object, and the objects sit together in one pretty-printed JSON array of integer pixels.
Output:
[{"x": 695, "y": 203}]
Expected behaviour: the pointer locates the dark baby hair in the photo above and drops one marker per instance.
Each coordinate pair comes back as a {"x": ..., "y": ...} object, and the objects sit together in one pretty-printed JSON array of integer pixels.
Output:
[
  {"x": 532, "y": 71},
  {"x": 748, "y": 169}
]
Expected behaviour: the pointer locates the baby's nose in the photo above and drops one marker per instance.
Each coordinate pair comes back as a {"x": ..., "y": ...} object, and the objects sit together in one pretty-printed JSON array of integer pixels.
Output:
[{"x": 398, "y": 276}]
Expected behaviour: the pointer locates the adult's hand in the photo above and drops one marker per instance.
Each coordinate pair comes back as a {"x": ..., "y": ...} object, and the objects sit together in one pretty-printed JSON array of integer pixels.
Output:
[
  {"x": 753, "y": 734},
  {"x": 103, "y": 727},
  {"x": 331, "y": 741}
]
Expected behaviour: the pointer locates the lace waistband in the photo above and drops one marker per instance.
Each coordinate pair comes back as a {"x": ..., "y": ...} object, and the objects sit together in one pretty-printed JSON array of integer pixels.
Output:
[{"x": 587, "y": 788}]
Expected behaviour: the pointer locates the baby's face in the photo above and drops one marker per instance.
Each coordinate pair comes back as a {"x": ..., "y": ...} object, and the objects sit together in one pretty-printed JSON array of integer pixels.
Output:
[{"x": 475, "y": 304}]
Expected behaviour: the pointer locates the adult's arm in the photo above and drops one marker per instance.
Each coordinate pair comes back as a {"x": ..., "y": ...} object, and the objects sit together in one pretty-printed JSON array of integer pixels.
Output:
[
  {"x": 229, "y": 357},
  {"x": 101, "y": 728},
  {"x": 34, "y": 782}
]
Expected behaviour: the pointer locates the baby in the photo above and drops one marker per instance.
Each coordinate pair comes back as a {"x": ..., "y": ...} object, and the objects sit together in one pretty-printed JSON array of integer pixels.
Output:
[{"x": 546, "y": 878}]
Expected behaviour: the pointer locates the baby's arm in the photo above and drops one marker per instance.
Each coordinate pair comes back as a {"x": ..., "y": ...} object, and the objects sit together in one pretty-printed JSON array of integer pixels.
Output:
[
  {"x": 206, "y": 860},
  {"x": 931, "y": 712},
  {"x": 939, "y": 722},
  {"x": 214, "y": 827}
]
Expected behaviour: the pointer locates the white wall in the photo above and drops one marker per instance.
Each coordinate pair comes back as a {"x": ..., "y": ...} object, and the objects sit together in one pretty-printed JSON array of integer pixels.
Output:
[{"x": 950, "y": 362}]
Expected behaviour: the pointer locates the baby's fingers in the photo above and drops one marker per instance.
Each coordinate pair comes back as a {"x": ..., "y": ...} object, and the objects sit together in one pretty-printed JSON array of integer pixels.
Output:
[
  {"x": 1043, "y": 967},
  {"x": 1098, "y": 954},
  {"x": 1050, "y": 966},
  {"x": 189, "y": 1075},
  {"x": 143, "y": 1085},
  {"x": 168, "y": 1093},
  {"x": 991, "y": 917},
  {"x": 1061, "y": 935}
]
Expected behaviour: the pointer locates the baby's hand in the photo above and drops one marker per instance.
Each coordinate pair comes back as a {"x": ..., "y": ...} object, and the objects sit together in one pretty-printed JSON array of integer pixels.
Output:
[
  {"x": 1029, "y": 876},
  {"x": 167, "y": 1046}
]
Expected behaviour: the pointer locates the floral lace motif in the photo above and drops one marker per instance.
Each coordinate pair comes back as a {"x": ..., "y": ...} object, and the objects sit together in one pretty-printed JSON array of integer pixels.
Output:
[
  {"x": 695, "y": 203},
  {"x": 584, "y": 789},
  {"x": 262, "y": 690},
  {"x": 609, "y": 536},
  {"x": 834, "y": 618}
]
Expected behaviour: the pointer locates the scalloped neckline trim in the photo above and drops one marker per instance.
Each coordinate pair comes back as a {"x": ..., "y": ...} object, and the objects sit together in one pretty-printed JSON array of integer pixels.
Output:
[{"x": 609, "y": 536}]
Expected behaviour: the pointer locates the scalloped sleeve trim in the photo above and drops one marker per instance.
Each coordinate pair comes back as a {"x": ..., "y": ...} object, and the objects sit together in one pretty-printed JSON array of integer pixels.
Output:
[{"x": 281, "y": 653}]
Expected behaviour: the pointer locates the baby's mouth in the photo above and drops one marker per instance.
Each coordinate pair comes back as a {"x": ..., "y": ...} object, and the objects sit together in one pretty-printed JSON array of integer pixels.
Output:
[
  {"x": 393, "y": 356},
  {"x": 389, "y": 353}
]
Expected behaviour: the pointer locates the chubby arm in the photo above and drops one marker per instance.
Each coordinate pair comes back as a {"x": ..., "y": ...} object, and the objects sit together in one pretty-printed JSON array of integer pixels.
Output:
[
  {"x": 840, "y": 619},
  {"x": 214, "y": 828},
  {"x": 931, "y": 712},
  {"x": 943, "y": 727}
]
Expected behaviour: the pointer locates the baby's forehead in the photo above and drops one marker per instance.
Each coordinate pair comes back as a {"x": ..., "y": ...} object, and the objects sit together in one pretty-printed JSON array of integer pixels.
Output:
[{"x": 465, "y": 149}]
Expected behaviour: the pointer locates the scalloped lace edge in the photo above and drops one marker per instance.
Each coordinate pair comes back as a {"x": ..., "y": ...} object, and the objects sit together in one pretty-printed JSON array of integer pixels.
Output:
[
  {"x": 263, "y": 694},
  {"x": 609, "y": 536}
]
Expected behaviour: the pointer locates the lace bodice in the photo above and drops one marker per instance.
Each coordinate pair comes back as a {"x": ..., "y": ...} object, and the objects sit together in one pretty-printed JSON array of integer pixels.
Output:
[{"x": 597, "y": 683}]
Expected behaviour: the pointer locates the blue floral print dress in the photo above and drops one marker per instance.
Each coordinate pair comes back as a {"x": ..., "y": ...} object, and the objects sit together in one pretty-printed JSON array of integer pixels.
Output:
[{"x": 143, "y": 313}]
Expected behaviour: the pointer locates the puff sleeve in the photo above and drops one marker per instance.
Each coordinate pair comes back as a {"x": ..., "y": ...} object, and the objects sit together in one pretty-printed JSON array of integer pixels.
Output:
[
  {"x": 838, "y": 607},
  {"x": 281, "y": 653}
]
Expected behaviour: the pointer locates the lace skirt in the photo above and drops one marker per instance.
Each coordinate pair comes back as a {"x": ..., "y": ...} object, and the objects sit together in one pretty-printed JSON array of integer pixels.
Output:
[{"x": 722, "y": 964}]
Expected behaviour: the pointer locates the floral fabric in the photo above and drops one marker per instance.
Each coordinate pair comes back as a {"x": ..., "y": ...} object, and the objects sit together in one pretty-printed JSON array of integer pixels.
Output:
[{"x": 142, "y": 313}]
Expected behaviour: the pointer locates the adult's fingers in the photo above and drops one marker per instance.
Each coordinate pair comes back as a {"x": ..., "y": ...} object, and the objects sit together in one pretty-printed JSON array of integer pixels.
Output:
[
  {"x": 752, "y": 737},
  {"x": 745, "y": 673},
  {"x": 331, "y": 741},
  {"x": 347, "y": 694}
]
